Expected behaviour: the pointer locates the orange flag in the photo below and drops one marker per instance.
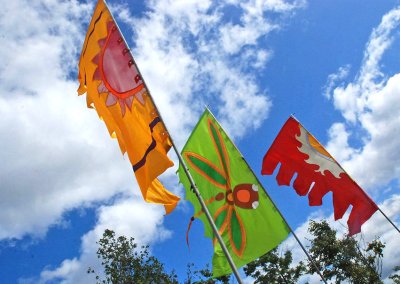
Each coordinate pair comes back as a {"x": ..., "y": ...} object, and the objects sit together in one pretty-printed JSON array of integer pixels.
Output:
[{"x": 114, "y": 87}]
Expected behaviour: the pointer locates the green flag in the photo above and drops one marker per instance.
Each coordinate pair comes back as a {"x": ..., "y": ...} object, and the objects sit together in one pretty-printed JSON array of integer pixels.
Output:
[{"x": 247, "y": 221}]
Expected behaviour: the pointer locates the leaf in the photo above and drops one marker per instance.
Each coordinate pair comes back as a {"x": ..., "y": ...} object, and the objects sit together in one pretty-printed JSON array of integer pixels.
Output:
[
  {"x": 221, "y": 218},
  {"x": 207, "y": 169},
  {"x": 220, "y": 147},
  {"x": 237, "y": 234}
]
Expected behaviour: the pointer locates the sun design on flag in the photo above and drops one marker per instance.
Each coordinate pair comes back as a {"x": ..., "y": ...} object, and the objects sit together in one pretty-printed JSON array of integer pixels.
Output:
[
  {"x": 243, "y": 196},
  {"x": 117, "y": 71},
  {"x": 317, "y": 155}
]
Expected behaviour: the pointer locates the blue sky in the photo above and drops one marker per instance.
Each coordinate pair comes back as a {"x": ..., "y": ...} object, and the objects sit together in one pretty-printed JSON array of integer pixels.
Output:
[{"x": 333, "y": 64}]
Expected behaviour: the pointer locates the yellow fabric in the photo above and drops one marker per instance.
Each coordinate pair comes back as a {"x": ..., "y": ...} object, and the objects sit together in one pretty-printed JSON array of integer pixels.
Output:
[{"x": 130, "y": 127}]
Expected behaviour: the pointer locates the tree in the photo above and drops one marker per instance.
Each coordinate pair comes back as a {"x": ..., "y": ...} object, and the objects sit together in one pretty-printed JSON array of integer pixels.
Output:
[
  {"x": 344, "y": 259},
  {"x": 203, "y": 276},
  {"x": 125, "y": 263},
  {"x": 274, "y": 268},
  {"x": 338, "y": 259},
  {"x": 395, "y": 277}
]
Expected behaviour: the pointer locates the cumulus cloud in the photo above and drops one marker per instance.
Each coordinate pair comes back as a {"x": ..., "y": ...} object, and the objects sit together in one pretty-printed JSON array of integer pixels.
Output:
[
  {"x": 50, "y": 142},
  {"x": 124, "y": 217},
  {"x": 376, "y": 227},
  {"x": 353, "y": 100},
  {"x": 334, "y": 78},
  {"x": 203, "y": 59},
  {"x": 57, "y": 155},
  {"x": 338, "y": 144},
  {"x": 370, "y": 107}
]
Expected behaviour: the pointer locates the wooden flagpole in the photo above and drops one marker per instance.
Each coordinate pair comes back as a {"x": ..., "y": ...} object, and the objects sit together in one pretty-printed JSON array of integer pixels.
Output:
[
  {"x": 277, "y": 209},
  {"x": 193, "y": 185}
]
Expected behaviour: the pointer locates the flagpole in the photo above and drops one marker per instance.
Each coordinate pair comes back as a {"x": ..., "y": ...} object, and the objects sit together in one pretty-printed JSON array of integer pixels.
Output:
[
  {"x": 366, "y": 195},
  {"x": 193, "y": 185},
  {"x": 277, "y": 209},
  {"x": 387, "y": 218},
  {"x": 287, "y": 224}
]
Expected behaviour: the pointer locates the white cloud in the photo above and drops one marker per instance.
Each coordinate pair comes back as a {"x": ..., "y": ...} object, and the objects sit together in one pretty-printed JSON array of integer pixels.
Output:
[
  {"x": 50, "y": 141},
  {"x": 253, "y": 23},
  {"x": 376, "y": 227},
  {"x": 352, "y": 100},
  {"x": 370, "y": 107},
  {"x": 40, "y": 44},
  {"x": 68, "y": 267},
  {"x": 234, "y": 37},
  {"x": 57, "y": 155},
  {"x": 379, "y": 227},
  {"x": 338, "y": 144},
  {"x": 334, "y": 78},
  {"x": 52, "y": 162},
  {"x": 199, "y": 62},
  {"x": 124, "y": 217}
]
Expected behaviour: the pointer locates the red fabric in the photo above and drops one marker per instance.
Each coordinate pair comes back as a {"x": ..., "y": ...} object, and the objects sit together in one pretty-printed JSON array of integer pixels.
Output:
[
  {"x": 187, "y": 231},
  {"x": 345, "y": 191}
]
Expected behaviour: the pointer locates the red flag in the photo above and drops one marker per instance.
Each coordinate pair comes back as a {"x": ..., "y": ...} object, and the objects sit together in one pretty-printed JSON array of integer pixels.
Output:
[{"x": 317, "y": 173}]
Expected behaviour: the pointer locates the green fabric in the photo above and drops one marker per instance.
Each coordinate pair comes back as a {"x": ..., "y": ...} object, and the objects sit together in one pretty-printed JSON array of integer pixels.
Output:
[{"x": 217, "y": 168}]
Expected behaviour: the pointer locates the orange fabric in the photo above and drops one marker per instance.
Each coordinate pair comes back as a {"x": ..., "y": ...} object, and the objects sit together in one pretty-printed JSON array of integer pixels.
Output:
[{"x": 109, "y": 77}]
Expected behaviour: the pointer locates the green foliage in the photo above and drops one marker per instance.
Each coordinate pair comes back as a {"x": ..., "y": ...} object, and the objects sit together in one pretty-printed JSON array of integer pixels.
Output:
[
  {"x": 203, "y": 276},
  {"x": 338, "y": 259},
  {"x": 274, "y": 268},
  {"x": 344, "y": 259},
  {"x": 395, "y": 277},
  {"x": 125, "y": 263}
]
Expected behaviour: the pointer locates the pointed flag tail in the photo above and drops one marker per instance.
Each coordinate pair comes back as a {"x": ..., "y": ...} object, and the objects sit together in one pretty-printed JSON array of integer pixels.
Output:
[
  {"x": 317, "y": 173},
  {"x": 115, "y": 89},
  {"x": 245, "y": 217}
]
